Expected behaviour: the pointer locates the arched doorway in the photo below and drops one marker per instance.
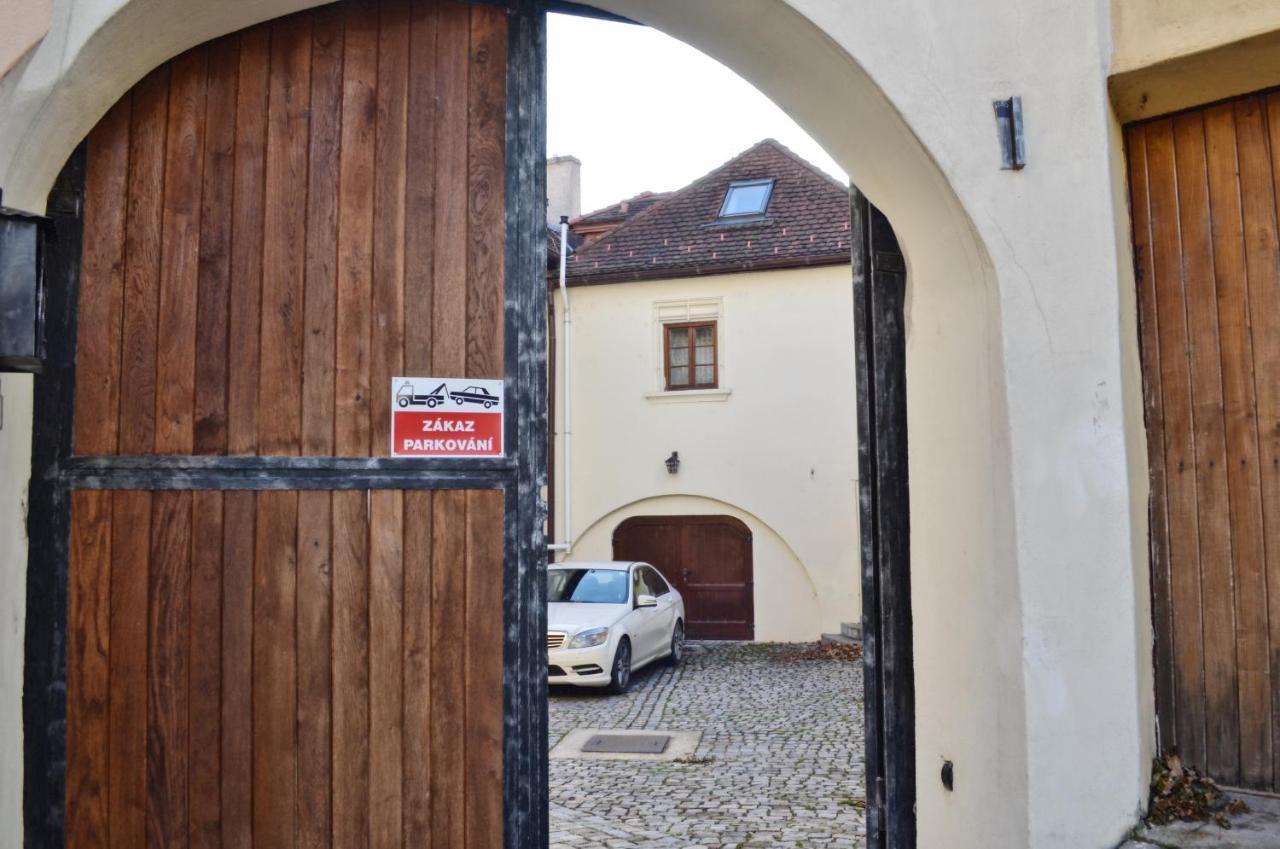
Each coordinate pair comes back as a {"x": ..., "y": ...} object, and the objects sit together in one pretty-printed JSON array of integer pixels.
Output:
[
  {"x": 708, "y": 558},
  {"x": 951, "y": 277}
]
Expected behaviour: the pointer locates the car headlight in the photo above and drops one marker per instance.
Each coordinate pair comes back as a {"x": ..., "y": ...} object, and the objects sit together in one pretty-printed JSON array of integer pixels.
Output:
[{"x": 588, "y": 638}]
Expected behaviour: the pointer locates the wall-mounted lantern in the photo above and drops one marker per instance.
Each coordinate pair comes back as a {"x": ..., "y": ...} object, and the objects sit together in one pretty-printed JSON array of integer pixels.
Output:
[
  {"x": 21, "y": 292},
  {"x": 673, "y": 463}
]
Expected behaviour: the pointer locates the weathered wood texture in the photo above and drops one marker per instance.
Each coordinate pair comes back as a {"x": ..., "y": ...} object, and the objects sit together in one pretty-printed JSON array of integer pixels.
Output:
[
  {"x": 285, "y": 669},
  {"x": 277, "y": 223},
  {"x": 1204, "y": 196},
  {"x": 280, "y": 221}
]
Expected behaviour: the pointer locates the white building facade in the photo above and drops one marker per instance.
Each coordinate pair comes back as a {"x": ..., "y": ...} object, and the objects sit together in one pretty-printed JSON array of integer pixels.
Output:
[{"x": 773, "y": 446}]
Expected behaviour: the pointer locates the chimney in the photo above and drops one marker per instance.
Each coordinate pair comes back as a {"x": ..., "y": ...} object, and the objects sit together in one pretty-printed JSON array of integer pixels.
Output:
[{"x": 564, "y": 188}]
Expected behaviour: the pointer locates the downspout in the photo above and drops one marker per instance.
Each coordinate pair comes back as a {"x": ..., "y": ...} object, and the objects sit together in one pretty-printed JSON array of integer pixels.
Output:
[{"x": 567, "y": 544}]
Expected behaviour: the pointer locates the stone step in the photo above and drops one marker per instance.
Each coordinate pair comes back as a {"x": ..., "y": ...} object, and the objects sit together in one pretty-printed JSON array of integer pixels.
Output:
[
  {"x": 842, "y": 639},
  {"x": 852, "y": 630}
]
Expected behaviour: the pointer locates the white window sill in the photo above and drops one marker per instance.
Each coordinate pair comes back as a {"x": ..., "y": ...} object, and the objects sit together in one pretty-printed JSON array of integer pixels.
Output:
[{"x": 690, "y": 395}]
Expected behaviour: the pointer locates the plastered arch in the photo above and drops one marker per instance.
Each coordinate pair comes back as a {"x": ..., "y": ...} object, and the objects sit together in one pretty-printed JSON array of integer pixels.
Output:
[
  {"x": 788, "y": 604},
  {"x": 969, "y": 665}
]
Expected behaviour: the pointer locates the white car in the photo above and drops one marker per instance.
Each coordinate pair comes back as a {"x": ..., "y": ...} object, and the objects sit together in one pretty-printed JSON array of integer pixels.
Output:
[{"x": 606, "y": 620}]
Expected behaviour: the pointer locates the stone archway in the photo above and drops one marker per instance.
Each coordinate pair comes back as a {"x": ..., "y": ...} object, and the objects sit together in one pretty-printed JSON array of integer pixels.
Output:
[{"x": 962, "y": 508}]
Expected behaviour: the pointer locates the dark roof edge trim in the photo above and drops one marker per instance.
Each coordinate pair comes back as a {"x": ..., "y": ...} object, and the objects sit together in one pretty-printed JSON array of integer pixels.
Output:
[{"x": 679, "y": 272}]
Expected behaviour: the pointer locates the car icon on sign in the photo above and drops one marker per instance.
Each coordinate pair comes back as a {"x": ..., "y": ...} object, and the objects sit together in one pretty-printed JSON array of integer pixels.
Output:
[
  {"x": 406, "y": 396},
  {"x": 474, "y": 395}
]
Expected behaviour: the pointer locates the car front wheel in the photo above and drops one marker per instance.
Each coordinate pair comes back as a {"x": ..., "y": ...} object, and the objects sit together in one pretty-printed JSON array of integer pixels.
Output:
[
  {"x": 620, "y": 675},
  {"x": 677, "y": 644}
]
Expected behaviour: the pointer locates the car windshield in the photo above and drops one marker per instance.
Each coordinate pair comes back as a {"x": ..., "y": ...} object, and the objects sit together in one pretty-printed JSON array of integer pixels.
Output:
[{"x": 588, "y": 586}]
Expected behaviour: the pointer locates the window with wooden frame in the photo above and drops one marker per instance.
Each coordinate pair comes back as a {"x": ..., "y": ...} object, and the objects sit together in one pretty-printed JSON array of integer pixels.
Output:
[{"x": 691, "y": 356}]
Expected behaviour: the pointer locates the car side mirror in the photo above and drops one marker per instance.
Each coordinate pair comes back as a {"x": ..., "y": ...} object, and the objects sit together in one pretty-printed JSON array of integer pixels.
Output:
[{"x": 646, "y": 601}]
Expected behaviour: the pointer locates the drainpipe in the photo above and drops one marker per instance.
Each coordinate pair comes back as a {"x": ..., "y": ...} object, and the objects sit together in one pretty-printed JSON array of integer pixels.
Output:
[{"x": 567, "y": 545}]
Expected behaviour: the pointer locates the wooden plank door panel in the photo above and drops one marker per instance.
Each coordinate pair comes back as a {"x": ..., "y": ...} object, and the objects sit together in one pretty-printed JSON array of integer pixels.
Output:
[
  {"x": 1203, "y": 191},
  {"x": 223, "y": 708},
  {"x": 275, "y": 224},
  {"x": 708, "y": 559},
  {"x": 273, "y": 234}
]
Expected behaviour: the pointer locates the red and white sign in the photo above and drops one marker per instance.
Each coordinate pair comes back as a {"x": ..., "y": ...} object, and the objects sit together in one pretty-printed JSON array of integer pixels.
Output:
[{"x": 446, "y": 417}]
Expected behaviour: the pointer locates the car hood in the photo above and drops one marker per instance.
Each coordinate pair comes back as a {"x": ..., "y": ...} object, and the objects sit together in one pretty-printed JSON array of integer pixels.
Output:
[{"x": 572, "y": 617}]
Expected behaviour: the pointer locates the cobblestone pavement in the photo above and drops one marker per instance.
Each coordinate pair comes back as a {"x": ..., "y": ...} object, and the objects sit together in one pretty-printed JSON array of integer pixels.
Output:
[{"x": 779, "y": 763}]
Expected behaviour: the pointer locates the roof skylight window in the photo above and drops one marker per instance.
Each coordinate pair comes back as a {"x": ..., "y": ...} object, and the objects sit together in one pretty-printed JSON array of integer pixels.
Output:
[{"x": 746, "y": 197}]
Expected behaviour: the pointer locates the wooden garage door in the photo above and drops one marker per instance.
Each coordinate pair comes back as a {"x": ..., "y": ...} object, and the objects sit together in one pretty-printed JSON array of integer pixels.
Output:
[
  {"x": 277, "y": 638},
  {"x": 708, "y": 558},
  {"x": 1204, "y": 196}
]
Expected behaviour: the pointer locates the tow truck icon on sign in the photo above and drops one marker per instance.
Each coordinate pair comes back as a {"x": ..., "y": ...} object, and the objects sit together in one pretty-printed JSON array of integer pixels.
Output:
[{"x": 406, "y": 397}]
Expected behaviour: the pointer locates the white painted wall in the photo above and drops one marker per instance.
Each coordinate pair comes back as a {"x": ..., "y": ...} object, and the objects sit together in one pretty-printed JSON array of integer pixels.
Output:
[
  {"x": 15, "y": 465},
  {"x": 777, "y": 442}
]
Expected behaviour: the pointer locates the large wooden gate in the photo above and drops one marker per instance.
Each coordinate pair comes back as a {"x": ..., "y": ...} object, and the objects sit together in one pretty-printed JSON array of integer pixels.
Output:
[
  {"x": 1204, "y": 196},
  {"x": 275, "y": 635}
]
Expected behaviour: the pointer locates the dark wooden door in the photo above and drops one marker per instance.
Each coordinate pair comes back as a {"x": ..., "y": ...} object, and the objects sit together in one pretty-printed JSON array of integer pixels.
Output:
[
  {"x": 275, "y": 635},
  {"x": 1204, "y": 195},
  {"x": 708, "y": 558}
]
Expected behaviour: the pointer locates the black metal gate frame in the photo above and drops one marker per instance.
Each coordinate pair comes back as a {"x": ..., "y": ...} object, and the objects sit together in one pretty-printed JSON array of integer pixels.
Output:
[{"x": 56, "y": 472}]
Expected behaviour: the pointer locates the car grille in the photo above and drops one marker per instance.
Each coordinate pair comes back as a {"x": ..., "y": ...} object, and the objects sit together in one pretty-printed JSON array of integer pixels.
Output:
[
  {"x": 554, "y": 640},
  {"x": 554, "y": 670},
  {"x": 588, "y": 669}
]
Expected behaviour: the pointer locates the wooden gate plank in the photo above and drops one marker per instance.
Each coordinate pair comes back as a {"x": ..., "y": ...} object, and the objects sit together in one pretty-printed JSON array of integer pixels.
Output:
[
  {"x": 1244, "y": 487},
  {"x": 386, "y": 665},
  {"x": 449, "y": 295},
  {"x": 1175, "y": 380},
  {"x": 1216, "y": 593},
  {"x": 418, "y": 670},
  {"x": 322, "y": 233},
  {"x": 275, "y": 772},
  {"x": 142, "y": 263},
  {"x": 391, "y": 133},
  {"x": 206, "y": 671},
  {"x": 420, "y": 188},
  {"x": 89, "y": 671},
  {"x": 180, "y": 255},
  {"x": 315, "y": 683},
  {"x": 448, "y": 668},
  {"x": 168, "y": 656},
  {"x": 486, "y": 199},
  {"x": 355, "y": 234},
  {"x": 214, "y": 288},
  {"x": 483, "y": 696},
  {"x": 97, "y": 416},
  {"x": 284, "y": 237},
  {"x": 1262, "y": 188},
  {"x": 239, "y": 535},
  {"x": 127, "y": 756},
  {"x": 246, "y": 242},
  {"x": 1153, "y": 407},
  {"x": 350, "y": 670}
]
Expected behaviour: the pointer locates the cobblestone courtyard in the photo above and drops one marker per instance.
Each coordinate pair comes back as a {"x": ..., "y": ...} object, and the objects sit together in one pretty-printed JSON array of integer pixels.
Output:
[{"x": 779, "y": 763}]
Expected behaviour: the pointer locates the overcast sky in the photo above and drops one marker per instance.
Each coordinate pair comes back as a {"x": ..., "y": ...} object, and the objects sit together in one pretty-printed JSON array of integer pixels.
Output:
[{"x": 645, "y": 112}]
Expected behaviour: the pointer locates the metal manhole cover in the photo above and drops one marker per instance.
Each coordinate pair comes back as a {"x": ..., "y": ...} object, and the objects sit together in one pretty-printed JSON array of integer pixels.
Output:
[{"x": 627, "y": 744}]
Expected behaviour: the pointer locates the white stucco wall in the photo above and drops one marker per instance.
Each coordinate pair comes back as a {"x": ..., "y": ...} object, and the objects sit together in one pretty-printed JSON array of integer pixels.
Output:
[
  {"x": 15, "y": 461},
  {"x": 777, "y": 442}
]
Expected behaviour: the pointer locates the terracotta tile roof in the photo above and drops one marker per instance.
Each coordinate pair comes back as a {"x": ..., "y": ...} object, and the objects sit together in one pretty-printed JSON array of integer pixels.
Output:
[
  {"x": 805, "y": 223},
  {"x": 622, "y": 210}
]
